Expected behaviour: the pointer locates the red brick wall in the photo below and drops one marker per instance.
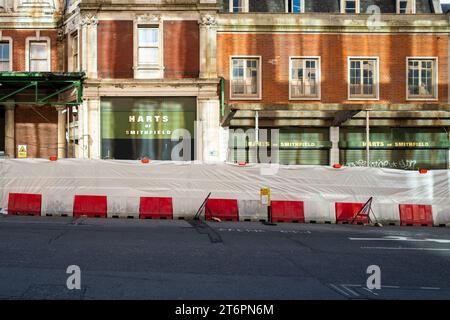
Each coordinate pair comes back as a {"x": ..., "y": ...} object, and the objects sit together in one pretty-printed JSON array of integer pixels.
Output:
[
  {"x": 334, "y": 49},
  {"x": 181, "y": 49},
  {"x": 37, "y": 128},
  {"x": 115, "y": 49},
  {"x": 19, "y": 45}
]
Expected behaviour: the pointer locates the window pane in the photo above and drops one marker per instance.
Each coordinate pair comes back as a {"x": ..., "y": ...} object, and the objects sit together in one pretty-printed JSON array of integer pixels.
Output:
[
  {"x": 38, "y": 50},
  {"x": 4, "y": 66},
  {"x": 244, "y": 77},
  {"x": 148, "y": 37},
  {"x": 38, "y": 65},
  {"x": 296, "y": 6},
  {"x": 148, "y": 55},
  {"x": 350, "y": 6},
  {"x": 4, "y": 51},
  {"x": 238, "y": 5},
  {"x": 303, "y": 83}
]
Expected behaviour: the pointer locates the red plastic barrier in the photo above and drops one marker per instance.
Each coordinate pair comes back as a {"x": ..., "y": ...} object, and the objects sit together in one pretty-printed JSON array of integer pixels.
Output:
[
  {"x": 24, "y": 204},
  {"x": 155, "y": 208},
  {"x": 91, "y": 206},
  {"x": 287, "y": 211},
  {"x": 224, "y": 209},
  {"x": 416, "y": 215},
  {"x": 345, "y": 212}
]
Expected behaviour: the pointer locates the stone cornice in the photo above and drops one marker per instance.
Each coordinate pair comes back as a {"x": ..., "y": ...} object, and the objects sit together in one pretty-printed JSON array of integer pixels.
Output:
[{"x": 319, "y": 22}]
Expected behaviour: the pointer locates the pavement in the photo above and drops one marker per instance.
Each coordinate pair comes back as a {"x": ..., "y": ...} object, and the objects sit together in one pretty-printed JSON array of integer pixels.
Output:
[{"x": 165, "y": 259}]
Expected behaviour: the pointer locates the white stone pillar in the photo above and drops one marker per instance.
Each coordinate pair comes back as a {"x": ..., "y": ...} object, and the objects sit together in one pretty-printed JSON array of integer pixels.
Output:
[
  {"x": 208, "y": 46},
  {"x": 89, "y": 24},
  {"x": 334, "y": 152},
  {"x": 209, "y": 116},
  {"x": 93, "y": 111},
  {"x": 61, "y": 131},
  {"x": 92, "y": 52},
  {"x": 83, "y": 127},
  {"x": 10, "y": 146}
]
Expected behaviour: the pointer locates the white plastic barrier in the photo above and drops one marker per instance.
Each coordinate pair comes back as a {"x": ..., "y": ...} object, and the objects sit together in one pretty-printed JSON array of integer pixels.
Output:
[
  {"x": 252, "y": 210},
  {"x": 123, "y": 207},
  {"x": 56, "y": 204},
  {"x": 386, "y": 213},
  {"x": 319, "y": 211},
  {"x": 186, "y": 208},
  {"x": 441, "y": 215}
]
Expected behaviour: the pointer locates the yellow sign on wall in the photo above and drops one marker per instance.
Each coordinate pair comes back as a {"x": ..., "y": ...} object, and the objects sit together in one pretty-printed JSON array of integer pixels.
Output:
[
  {"x": 265, "y": 196},
  {"x": 22, "y": 151}
]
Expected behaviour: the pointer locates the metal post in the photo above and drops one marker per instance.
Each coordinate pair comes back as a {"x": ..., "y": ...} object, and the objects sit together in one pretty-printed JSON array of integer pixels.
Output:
[{"x": 367, "y": 138}]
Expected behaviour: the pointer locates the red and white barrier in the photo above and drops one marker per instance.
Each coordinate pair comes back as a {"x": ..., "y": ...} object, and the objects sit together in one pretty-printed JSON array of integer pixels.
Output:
[{"x": 395, "y": 193}]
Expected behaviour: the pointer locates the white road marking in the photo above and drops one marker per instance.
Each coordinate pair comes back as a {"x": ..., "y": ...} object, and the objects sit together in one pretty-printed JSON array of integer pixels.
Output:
[
  {"x": 403, "y": 248},
  {"x": 350, "y": 290},
  {"x": 430, "y": 288},
  {"x": 374, "y": 293},
  {"x": 395, "y": 238},
  {"x": 340, "y": 290}
]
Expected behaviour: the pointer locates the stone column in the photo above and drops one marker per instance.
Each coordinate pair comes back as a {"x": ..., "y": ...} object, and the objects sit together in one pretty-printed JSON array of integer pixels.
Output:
[
  {"x": 334, "y": 152},
  {"x": 61, "y": 131},
  {"x": 208, "y": 46},
  {"x": 209, "y": 116},
  {"x": 89, "y": 24},
  {"x": 10, "y": 145},
  {"x": 93, "y": 114}
]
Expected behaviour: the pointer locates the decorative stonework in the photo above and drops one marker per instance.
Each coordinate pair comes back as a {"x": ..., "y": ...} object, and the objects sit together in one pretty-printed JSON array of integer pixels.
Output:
[
  {"x": 72, "y": 24},
  {"x": 89, "y": 19},
  {"x": 208, "y": 20},
  {"x": 148, "y": 18}
]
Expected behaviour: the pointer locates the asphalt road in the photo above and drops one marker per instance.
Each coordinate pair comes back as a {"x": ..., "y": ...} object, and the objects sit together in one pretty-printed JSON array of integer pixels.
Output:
[{"x": 158, "y": 259}]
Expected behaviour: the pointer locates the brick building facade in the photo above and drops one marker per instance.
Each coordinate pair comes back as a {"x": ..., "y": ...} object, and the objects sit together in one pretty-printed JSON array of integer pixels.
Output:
[{"x": 324, "y": 73}]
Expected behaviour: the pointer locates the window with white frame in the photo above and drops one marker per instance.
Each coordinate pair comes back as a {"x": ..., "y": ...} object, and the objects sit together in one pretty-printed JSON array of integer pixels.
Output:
[
  {"x": 39, "y": 56},
  {"x": 238, "y": 6},
  {"x": 148, "y": 46},
  {"x": 406, "y": 6},
  {"x": 245, "y": 78},
  {"x": 363, "y": 78},
  {"x": 295, "y": 6},
  {"x": 422, "y": 78},
  {"x": 74, "y": 52},
  {"x": 304, "y": 78},
  {"x": 5, "y": 56},
  {"x": 350, "y": 6}
]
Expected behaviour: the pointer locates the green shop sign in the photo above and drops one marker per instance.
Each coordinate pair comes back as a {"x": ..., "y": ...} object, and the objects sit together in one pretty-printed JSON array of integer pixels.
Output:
[{"x": 146, "y": 118}]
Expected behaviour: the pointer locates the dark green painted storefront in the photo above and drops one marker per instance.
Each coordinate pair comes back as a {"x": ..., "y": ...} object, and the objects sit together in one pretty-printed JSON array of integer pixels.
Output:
[
  {"x": 399, "y": 148},
  {"x": 134, "y": 128},
  {"x": 307, "y": 146}
]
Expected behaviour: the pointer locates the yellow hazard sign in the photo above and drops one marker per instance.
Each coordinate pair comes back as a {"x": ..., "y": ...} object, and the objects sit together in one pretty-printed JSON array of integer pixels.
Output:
[
  {"x": 265, "y": 196},
  {"x": 22, "y": 151}
]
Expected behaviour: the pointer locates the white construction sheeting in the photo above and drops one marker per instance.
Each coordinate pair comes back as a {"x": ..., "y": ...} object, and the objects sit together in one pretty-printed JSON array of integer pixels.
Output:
[{"x": 189, "y": 183}]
